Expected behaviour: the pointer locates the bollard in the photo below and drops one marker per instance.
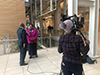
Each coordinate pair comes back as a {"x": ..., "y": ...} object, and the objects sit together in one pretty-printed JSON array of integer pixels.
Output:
[
  {"x": 50, "y": 40},
  {"x": 4, "y": 46}
]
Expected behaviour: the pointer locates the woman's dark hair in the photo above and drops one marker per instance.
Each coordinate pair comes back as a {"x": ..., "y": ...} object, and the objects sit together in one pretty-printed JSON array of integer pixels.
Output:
[{"x": 31, "y": 24}]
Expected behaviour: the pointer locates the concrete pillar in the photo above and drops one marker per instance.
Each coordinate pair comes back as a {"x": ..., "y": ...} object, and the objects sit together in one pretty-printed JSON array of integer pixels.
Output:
[
  {"x": 31, "y": 11},
  {"x": 64, "y": 7},
  {"x": 50, "y": 5},
  {"x": 72, "y": 7},
  {"x": 57, "y": 17},
  {"x": 41, "y": 7},
  {"x": 36, "y": 8},
  {"x": 93, "y": 28},
  {"x": 41, "y": 21}
]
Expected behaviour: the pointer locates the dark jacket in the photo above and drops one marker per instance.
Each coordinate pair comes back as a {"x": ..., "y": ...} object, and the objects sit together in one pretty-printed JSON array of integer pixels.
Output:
[
  {"x": 21, "y": 33},
  {"x": 72, "y": 46}
]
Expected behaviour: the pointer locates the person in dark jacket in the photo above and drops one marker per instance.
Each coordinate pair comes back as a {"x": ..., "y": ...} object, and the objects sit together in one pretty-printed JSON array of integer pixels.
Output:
[
  {"x": 72, "y": 46},
  {"x": 22, "y": 42},
  {"x": 49, "y": 29}
]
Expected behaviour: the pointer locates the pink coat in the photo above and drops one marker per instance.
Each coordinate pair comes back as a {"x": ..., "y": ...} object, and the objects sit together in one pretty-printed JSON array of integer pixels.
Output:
[{"x": 33, "y": 34}]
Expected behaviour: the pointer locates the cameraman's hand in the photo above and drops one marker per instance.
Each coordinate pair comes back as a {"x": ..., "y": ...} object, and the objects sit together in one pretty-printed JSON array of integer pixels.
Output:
[{"x": 87, "y": 42}]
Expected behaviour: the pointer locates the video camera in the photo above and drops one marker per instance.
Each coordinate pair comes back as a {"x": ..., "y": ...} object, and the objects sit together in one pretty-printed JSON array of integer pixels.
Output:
[{"x": 77, "y": 21}]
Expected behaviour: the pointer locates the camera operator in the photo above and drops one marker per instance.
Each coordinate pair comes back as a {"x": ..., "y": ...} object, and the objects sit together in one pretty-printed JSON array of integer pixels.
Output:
[{"x": 71, "y": 45}]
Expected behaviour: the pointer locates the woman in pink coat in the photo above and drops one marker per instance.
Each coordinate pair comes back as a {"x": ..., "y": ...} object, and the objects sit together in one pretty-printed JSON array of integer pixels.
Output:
[{"x": 32, "y": 35}]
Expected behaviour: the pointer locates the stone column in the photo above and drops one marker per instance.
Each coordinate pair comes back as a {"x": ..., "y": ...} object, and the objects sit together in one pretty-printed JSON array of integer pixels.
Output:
[
  {"x": 72, "y": 7},
  {"x": 57, "y": 17},
  {"x": 93, "y": 28}
]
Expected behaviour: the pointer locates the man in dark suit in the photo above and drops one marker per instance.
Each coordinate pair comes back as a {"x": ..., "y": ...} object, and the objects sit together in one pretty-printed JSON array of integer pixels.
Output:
[{"x": 21, "y": 33}]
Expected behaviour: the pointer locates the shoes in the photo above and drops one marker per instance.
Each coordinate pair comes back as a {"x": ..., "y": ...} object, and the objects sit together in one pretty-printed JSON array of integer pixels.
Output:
[
  {"x": 30, "y": 57},
  {"x": 33, "y": 56},
  {"x": 24, "y": 64},
  {"x": 36, "y": 55}
]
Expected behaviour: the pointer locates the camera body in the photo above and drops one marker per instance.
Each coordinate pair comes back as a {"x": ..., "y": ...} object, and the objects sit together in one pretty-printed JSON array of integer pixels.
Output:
[{"x": 77, "y": 21}]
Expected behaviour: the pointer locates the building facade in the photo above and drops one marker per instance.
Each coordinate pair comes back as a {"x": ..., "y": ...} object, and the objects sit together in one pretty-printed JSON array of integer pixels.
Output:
[
  {"x": 12, "y": 12},
  {"x": 89, "y": 9}
]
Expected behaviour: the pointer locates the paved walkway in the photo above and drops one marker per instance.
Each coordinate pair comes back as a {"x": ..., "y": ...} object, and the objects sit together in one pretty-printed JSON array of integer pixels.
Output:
[
  {"x": 47, "y": 63},
  {"x": 1, "y": 49},
  {"x": 7, "y": 49}
]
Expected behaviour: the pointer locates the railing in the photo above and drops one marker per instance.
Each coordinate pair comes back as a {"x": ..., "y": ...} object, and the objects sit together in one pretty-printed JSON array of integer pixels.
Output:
[
  {"x": 8, "y": 45},
  {"x": 52, "y": 32},
  {"x": 49, "y": 41},
  {"x": 6, "y": 42},
  {"x": 6, "y": 38}
]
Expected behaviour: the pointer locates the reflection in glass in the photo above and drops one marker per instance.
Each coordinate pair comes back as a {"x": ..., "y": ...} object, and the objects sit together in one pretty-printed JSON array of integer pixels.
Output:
[{"x": 84, "y": 12}]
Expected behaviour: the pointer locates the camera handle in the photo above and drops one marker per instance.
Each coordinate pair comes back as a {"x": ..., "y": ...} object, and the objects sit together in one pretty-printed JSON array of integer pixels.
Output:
[{"x": 82, "y": 34}]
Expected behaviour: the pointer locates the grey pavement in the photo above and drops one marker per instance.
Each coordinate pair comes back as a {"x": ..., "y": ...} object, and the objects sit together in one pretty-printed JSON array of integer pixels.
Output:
[
  {"x": 47, "y": 63},
  {"x": 1, "y": 49},
  {"x": 7, "y": 49}
]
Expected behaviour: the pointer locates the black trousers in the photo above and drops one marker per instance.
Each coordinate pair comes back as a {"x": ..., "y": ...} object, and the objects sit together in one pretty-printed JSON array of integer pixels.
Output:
[
  {"x": 22, "y": 54},
  {"x": 32, "y": 48},
  {"x": 69, "y": 68}
]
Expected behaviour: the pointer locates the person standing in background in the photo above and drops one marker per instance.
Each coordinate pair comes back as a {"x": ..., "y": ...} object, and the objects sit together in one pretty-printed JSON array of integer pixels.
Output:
[
  {"x": 22, "y": 43},
  {"x": 49, "y": 29},
  {"x": 32, "y": 35},
  {"x": 38, "y": 28}
]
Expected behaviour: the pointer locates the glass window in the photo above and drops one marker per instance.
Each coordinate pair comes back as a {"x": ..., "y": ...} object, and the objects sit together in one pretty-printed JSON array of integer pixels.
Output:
[
  {"x": 83, "y": 11},
  {"x": 26, "y": 0}
]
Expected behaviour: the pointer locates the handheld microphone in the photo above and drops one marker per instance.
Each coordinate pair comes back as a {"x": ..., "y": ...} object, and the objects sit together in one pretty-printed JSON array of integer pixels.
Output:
[{"x": 30, "y": 31}]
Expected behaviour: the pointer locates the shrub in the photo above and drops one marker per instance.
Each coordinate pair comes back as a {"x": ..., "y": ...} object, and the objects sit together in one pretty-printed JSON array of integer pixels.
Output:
[{"x": 16, "y": 45}]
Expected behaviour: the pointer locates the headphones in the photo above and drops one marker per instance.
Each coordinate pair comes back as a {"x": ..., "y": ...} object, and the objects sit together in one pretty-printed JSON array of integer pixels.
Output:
[{"x": 63, "y": 25}]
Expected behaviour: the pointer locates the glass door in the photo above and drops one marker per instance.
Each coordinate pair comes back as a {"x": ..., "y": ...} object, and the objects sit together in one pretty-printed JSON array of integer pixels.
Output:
[{"x": 84, "y": 12}]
